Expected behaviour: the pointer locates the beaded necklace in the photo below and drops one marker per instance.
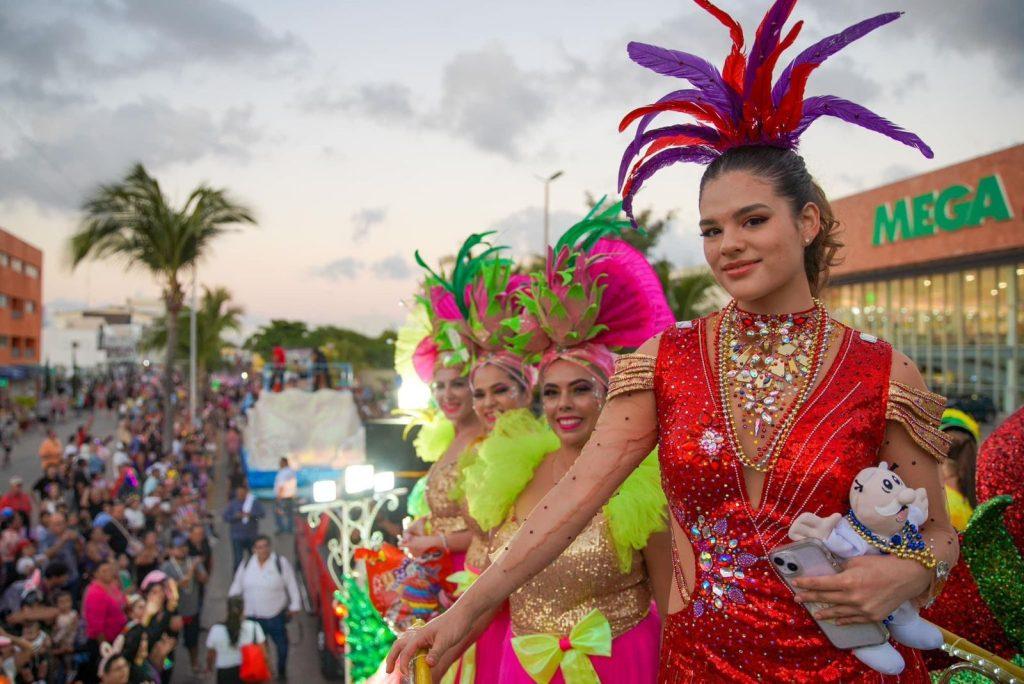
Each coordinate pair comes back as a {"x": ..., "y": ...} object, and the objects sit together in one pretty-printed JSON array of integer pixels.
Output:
[
  {"x": 908, "y": 543},
  {"x": 763, "y": 361}
]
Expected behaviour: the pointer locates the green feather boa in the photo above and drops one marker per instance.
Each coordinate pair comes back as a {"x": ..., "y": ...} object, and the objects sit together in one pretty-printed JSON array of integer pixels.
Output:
[
  {"x": 504, "y": 464},
  {"x": 435, "y": 434},
  {"x": 417, "y": 504},
  {"x": 496, "y": 473}
]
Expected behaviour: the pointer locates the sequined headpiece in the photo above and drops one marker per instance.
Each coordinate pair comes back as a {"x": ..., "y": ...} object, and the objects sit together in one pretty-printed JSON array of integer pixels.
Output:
[
  {"x": 739, "y": 105},
  {"x": 595, "y": 292}
]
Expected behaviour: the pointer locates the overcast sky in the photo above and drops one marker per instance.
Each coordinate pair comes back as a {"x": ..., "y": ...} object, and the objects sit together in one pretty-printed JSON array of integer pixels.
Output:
[{"x": 359, "y": 131}]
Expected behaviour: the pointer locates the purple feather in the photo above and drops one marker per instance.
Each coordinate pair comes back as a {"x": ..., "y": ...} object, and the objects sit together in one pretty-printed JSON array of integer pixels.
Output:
[
  {"x": 691, "y": 153},
  {"x": 826, "y": 47},
  {"x": 830, "y": 105},
  {"x": 699, "y": 72},
  {"x": 767, "y": 39},
  {"x": 706, "y": 133}
]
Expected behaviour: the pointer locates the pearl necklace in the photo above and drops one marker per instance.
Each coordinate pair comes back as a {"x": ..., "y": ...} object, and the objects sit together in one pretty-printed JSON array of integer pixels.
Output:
[
  {"x": 908, "y": 543},
  {"x": 761, "y": 359}
]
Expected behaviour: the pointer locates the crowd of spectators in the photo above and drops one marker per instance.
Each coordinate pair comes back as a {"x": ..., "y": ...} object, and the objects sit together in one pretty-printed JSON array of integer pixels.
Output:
[{"x": 112, "y": 544}]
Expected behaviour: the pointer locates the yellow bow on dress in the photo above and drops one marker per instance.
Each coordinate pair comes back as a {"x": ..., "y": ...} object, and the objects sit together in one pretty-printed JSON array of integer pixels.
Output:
[{"x": 542, "y": 654}]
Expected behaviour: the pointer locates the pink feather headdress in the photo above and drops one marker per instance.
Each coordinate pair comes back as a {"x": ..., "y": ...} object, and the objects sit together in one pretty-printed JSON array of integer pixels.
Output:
[
  {"x": 472, "y": 308},
  {"x": 738, "y": 105},
  {"x": 596, "y": 292}
]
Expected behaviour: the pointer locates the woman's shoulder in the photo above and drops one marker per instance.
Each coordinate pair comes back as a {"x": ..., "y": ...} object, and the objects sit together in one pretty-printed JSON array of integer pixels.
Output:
[{"x": 681, "y": 327}]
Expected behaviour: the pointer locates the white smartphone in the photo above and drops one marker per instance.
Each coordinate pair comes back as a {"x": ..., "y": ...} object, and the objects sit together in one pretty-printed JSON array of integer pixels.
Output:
[{"x": 811, "y": 558}]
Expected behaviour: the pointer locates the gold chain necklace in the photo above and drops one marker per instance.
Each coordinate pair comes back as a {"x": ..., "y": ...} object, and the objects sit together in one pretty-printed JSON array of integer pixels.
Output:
[{"x": 763, "y": 360}]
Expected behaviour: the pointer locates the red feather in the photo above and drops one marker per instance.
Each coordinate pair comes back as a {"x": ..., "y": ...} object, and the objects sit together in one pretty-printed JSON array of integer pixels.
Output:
[
  {"x": 759, "y": 104},
  {"x": 658, "y": 146},
  {"x": 791, "y": 108},
  {"x": 702, "y": 112},
  {"x": 736, "y": 62}
]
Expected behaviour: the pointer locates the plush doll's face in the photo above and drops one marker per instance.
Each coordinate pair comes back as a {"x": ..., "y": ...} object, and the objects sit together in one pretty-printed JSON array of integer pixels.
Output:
[{"x": 881, "y": 500}]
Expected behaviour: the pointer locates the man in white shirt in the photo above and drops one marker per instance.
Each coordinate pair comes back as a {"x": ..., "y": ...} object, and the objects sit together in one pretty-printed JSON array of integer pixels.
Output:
[
  {"x": 266, "y": 582},
  {"x": 285, "y": 484}
]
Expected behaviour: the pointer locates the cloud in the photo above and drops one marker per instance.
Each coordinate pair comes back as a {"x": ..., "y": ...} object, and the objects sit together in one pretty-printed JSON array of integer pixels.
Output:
[
  {"x": 486, "y": 98},
  {"x": 365, "y": 219},
  {"x": 346, "y": 268},
  {"x": 385, "y": 101},
  {"x": 393, "y": 267},
  {"x": 492, "y": 112},
  {"x": 62, "y": 158},
  {"x": 203, "y": 29}
]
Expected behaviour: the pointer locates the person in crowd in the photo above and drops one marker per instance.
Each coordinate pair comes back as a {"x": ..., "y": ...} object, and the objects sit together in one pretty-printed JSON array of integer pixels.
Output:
[
  {"x": 225, "y": 640},
  {"x": 59, "y": 542},
  {"x": 103, "y": 612},
  {"x": 64, "y": 634},
  {"x": 190, "y": 574},
  {"x": 285, "y": 485},
  {"x": 51, "y": 475},
  {"x": 162, "y": 621},
  {"x": 51, "y": 451},
  {"x": 18, "y": 500},
  {"x": 114, "y": 668},
  {"x": 243, "y": 515},
  {"x": 266, "y": 583},
  {"x": 37, "y": 667},
  {"x": 958, "y": 468},
  {"x": 136, "y": 652}
]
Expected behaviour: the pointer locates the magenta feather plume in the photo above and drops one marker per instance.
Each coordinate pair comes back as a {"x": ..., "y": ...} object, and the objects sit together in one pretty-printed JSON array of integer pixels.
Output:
[
  {"x": 826, "y": 47},
  {"x": 766, "y": 40},
  {"x": 444, "y": 305},
  {"x": 424, "y": 359},
  {"x": 633, "y": 306},
  {"x": 829, "y": 105}
]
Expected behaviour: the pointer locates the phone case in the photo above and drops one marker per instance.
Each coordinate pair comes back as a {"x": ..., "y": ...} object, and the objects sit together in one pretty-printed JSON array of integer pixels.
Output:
[{"x": 811, "y": 558}]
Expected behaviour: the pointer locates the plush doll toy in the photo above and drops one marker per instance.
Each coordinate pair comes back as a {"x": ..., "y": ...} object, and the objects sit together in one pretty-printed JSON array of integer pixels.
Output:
[{"x": 883, "y": 518}]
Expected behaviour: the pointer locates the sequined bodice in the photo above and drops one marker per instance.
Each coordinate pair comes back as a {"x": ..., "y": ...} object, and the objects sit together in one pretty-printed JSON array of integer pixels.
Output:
[
  {"x": 445, "y": 514},
  {"x": 742, "y": 623},
  {"x": 586, "y": 576}
]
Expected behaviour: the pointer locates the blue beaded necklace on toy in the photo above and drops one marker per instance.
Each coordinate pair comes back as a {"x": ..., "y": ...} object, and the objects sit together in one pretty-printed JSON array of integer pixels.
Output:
[{"x": 908, "y": 543}]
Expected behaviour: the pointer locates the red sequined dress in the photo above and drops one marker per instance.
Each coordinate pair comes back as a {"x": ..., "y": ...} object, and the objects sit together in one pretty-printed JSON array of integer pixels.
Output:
[{"x": 742, "y": 623}]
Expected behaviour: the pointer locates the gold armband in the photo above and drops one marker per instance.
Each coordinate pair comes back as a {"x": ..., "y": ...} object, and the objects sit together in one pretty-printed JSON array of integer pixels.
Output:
[
  {"x": 919, "y": 411},
  {"x": 633, "y": 373}
]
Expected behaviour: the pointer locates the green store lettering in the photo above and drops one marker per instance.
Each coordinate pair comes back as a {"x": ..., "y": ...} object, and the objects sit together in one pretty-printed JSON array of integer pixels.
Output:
[{"x": 949, "y": 210}]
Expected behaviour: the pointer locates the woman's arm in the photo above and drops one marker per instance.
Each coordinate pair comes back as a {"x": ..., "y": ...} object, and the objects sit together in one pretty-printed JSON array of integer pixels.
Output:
[
  {"x": 626, "y": 433},
  {"x": 658, "y": 559},
  {"x": 872, "y": 587}
]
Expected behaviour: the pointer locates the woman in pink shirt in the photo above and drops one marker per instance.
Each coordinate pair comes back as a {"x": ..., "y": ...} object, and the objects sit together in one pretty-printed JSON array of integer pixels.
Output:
[{"x": 103, "y": 609}]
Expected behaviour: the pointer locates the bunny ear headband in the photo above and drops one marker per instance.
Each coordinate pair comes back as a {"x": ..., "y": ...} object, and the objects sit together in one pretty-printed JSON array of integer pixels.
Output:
[{"x": 110, "y": 651}]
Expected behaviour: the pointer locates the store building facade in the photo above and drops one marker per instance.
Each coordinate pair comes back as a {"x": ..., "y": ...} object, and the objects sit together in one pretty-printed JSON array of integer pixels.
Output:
[{"x": 935, "y": 265}]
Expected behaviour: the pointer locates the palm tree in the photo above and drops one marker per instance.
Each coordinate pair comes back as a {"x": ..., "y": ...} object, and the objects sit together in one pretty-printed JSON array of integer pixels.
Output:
[
  {"x": 214, "y": 317},
  {"x": 133, "y": 221},
  {"x": 691, "y": 295}
]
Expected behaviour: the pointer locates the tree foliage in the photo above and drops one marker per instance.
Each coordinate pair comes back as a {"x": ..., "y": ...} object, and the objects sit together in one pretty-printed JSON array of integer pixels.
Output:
[
  {"x": 215, "y": 317},
  {"x": 132, "y": 221},
  {"x": 338, "y": 344}
]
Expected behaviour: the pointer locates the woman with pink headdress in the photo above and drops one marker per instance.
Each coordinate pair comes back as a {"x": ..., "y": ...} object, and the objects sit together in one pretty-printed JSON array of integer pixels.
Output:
[
  {"x": 590, "y": 611},
  {"x": 473, "y": 305}
]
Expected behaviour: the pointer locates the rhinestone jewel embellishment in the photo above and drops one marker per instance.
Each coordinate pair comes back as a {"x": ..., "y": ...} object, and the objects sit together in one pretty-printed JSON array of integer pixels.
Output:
[{"x": 722, "y": 564}]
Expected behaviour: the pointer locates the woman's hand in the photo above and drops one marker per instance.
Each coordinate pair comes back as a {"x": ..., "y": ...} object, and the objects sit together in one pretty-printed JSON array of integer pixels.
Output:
[
  {"x": 446, "y": 636},
  {"x": 420, "y": 544},
  {"x": 869, "y": 589},
  {"x": 418, "y": 526}
]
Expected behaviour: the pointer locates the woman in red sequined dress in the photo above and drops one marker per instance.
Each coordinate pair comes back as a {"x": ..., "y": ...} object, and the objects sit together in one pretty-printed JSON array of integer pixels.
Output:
[{"x": 761, "y": 411}]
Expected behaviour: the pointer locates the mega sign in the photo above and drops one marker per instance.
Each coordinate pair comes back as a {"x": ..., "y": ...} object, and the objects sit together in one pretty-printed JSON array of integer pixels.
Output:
[{"x": 956, "y": 207}]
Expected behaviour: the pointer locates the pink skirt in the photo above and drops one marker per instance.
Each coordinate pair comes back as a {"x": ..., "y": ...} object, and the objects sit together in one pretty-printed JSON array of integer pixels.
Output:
[{"x": 634, "y": 658}]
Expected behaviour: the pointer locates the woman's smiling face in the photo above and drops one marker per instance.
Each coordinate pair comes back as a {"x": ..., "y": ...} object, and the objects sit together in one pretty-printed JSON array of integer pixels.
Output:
[
  {"x": 572, "y": 400},
  {"x": 452, "y": 393},
  {"x": 495, "y": 392}
]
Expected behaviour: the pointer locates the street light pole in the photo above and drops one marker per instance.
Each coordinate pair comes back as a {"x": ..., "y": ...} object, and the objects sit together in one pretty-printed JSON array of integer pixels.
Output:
[
  {"x": 547, "y": 198},
  {"x": 192, "y": 354}
]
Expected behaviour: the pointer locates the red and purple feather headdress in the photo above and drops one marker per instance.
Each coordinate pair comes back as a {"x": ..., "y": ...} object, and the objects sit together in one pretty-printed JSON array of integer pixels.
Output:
[{"x": 739, "y": 105}]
